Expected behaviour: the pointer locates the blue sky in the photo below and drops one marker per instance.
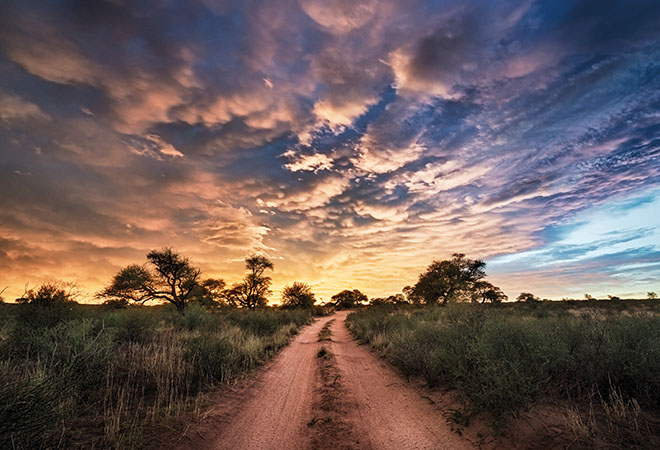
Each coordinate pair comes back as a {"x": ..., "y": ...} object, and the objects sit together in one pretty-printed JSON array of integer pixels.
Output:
[
  {"x": 351, "y": 141},
  {"x": 600, "y": 251}
]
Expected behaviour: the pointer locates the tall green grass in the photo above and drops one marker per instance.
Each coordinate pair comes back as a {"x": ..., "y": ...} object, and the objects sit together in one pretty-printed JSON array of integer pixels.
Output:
[
  {"x": 501, "y": 360},
  {"x": 86, "y": 376}
]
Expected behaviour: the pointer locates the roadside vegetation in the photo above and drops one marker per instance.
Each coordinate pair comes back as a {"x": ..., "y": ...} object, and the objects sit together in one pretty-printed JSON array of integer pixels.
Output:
[
  {"x": 113, "y": 375},
  {"x": 98, "y": 377},
  {"x": 601, "y": 364},
  {"x": 598, "y": 359}
]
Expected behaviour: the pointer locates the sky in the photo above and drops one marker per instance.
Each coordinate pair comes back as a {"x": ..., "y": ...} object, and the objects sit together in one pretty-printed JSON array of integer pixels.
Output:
[{"x": 352, "y": 142}]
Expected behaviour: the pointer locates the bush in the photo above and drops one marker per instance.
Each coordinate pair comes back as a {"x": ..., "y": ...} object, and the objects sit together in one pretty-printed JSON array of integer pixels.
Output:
[
  {"x": 135, "y": 324},
  {"x": 195, "y": 317},
  {"x": 501, "y": 361}
]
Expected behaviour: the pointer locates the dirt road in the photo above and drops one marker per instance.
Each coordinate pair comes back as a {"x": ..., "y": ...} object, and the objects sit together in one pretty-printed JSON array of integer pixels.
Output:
[
  {"x": 389, "y": 414},
  {"x": 358, "y": 401}
]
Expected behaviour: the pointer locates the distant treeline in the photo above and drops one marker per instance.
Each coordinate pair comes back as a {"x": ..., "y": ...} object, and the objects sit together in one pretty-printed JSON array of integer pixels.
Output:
[{"x": 167, "y": 276}]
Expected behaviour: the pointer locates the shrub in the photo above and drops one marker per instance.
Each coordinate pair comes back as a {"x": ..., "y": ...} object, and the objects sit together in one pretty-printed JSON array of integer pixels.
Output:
[
  {"x": 502, "y": 361},
  {"x": 133, "y": 325},
  {"x": 49, "y": 294}
]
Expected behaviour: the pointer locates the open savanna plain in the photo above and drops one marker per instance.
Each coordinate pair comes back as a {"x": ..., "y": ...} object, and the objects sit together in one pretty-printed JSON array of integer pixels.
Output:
[{"x": 582, "y": 374}]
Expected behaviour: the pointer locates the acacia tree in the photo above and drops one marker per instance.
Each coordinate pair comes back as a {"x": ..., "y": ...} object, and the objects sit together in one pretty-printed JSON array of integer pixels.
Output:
[
  {"x": 411, "y": 296},
  {"x": 484, "y": 291},
  {"x": 255, "y": 288},
  {"x": 298, "y": 295},
  {"x": 527, "y": 297},
  {"x": 348, "y": 299},
  {"x": 167, "y": 276},
  {"x": 449, "y": 280},
  {"x": 209, "y": 292},
  {"x": 396, "y": 299}
]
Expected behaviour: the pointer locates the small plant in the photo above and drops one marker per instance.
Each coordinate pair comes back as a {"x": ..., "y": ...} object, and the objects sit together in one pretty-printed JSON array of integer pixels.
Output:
[
  {"x": 325, "y": 333},
  {"x": 324, "y": 353}
]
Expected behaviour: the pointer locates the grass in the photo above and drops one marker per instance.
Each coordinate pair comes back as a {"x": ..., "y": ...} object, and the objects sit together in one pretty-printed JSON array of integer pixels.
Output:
[
  {"x": 501, "y": 359},
  {"x": 88, "y": 376},
  {"x": 326, "y": 334},
  {"x": 324, "y": 353}
]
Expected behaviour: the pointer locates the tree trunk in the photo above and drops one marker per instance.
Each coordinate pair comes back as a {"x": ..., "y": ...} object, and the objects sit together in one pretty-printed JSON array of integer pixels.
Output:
[{"x": 180, "y": 307}]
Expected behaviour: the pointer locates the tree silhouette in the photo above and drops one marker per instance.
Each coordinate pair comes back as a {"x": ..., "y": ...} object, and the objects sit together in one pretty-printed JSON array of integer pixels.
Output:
[
  {"x": 411, "y": 295},
  {"x": 449, "y": 280},
  {"x": 298, "y": 295},
  {"x": 170, "y": 277},
  {"x": 397, "y": 299},
  {"x": 527, "y": 297},
  {"x": 255, "y": 288},
  {"x": 54, "y": 293},
  {"x": 348, "y": 299},
  {"x": 484, "y": 291},
  {"x": 209, "y": 292}
]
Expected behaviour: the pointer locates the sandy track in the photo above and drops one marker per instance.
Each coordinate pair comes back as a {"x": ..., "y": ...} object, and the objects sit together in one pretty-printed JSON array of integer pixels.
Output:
[
  {"x": 370, "y": 405},
  {"x": 271, "y": 409},
  {"x": 276, "y": 415},
  {"x": 388, "y": 413}
]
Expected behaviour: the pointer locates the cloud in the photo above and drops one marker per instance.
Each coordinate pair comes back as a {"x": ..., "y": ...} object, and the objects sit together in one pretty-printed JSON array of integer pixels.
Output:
[
  {"x": 164, "y": 148},
  {"x": 314, "y": 195},
  {"x": 314, "y": 163},
  {"x": 340, "y": 16},
  {"x": 341, "y": 114},
  {"x": 13, "y": 107},
  {"x": 353, "y": 141}
]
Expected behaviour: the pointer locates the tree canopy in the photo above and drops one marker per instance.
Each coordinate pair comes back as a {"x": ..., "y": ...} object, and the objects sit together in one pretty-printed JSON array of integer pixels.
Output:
[
  {"x": 348, "y": 299},
  {"x": 298, "y": 295},
  {"x": 484, "y": 291},
  {"x": 209, "y": 293},
  {"x": 167, "y": 276},
  {"x": 527, "y": 297},
  {"x": 254, "y": 290},
  {"x": 449, "y": 280},
  {"x": 396, "y": 299}
]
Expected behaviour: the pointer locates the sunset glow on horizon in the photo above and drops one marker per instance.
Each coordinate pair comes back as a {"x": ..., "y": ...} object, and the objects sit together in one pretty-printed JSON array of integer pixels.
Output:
[{"x": 352, "y": 142}]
